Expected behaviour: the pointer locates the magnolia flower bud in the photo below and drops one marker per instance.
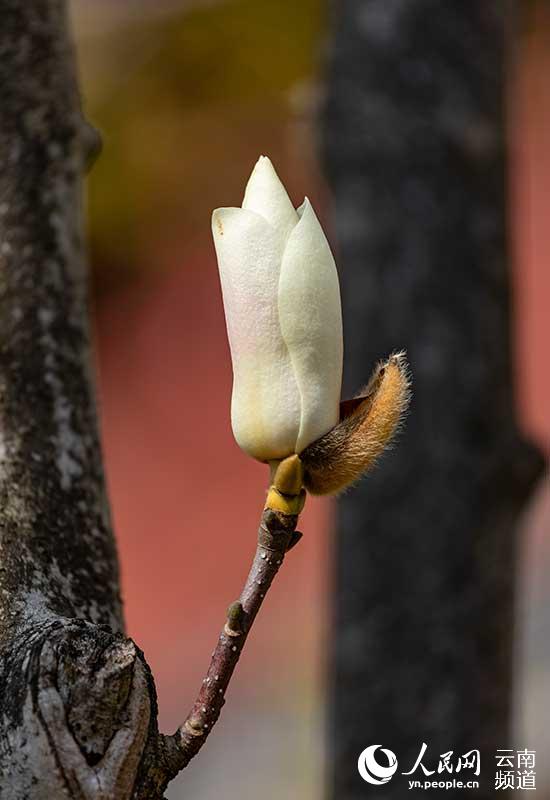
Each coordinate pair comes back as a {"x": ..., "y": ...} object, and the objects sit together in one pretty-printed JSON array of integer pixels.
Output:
[{"x": 282, "y": 306}]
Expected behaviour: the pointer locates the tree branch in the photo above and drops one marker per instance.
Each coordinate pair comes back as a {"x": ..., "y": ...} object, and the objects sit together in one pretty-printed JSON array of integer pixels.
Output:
[{"x": 276, "y": 536}]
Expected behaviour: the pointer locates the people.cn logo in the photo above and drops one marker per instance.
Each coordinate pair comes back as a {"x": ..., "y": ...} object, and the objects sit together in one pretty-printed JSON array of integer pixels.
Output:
[{"x": 371, "y": 770}]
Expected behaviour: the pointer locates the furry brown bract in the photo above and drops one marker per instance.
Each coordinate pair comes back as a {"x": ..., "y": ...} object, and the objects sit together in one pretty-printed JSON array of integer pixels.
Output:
[{"x": 368, "y": 424}]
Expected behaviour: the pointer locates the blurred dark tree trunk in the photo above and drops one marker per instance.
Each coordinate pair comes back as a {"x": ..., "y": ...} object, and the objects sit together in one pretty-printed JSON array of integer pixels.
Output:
[{"x": 414, "y": 143}]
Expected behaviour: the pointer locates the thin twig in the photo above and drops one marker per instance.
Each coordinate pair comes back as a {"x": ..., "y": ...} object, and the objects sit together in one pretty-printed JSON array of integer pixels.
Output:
[{"x": 276, "y": 536}]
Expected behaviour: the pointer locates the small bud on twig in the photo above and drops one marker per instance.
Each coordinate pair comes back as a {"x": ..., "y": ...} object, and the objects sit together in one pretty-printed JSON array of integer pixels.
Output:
[{"x": 235, "y": 619}]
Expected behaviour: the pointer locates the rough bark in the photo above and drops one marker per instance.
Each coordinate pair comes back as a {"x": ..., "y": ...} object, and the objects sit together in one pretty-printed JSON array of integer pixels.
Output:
[
  {"x": 414, "y": 138},
  {"x": 78, "y": 716},
  {"x": 76, "y": 696}
]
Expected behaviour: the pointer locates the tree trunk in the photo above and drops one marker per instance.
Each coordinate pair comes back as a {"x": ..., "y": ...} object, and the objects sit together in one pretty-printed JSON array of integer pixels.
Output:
[
  {"x": 425, "y": 553},
  {"x": 77, "y": 699}
]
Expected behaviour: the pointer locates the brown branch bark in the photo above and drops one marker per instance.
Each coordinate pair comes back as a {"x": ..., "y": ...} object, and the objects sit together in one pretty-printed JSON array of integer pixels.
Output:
[
  {"x": 275, "y": 536},
  {"x": 77, "y": 699}
]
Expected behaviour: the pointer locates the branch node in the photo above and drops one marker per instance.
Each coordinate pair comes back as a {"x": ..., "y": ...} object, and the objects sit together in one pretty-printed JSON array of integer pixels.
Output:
[
  {"x": 235, "y": 619},
  {"x": 294, "y": 539},
  {"x": 291, "y": 504},
  {"x": 276, "y": 530},
  {"x": 194, "y": 726}
]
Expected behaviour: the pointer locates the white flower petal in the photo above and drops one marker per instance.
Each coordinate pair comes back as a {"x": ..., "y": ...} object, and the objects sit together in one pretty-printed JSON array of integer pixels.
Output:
[
  {"x": 265, "y": 408},
  {"x": 266, "y": 195},
  {"x": 311, "y": 323}
]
